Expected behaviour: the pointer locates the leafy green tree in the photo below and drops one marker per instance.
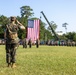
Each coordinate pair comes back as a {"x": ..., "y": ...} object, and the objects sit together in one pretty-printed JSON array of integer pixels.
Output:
[
  {"x": 52, "y": 30},
  {"x": 74, "y": 38},
  {"x": 70, "y": 35},
  {"x": 42, "y": 30},
  {"x": 54, "y": 26},
  {"x": 44, "y": 33},
  {"x": 26, "y": 11},
  {"x": 3, "y": 22},
  {"x": 63, "y": 37},
  {"x": 22, "y": 33}
]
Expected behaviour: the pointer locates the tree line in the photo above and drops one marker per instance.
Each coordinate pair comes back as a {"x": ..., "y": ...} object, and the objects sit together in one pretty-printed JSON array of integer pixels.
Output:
[{"x": 45, "y": 33}]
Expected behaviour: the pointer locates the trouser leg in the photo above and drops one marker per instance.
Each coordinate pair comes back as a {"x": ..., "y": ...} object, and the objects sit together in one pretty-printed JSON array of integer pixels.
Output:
[
  {"x": 13, "y": 53},
  {"x": 8, "y": 56}
]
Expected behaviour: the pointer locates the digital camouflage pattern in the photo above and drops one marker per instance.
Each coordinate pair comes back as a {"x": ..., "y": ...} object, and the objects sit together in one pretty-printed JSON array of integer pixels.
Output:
[{"x": 12, "y": 35}]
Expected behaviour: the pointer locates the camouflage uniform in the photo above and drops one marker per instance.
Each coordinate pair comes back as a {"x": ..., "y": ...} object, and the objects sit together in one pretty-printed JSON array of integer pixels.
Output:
[
  {"x": 12, "y": 42},
  {"x": 37, "y": 43},
  {"x": 24, "y": 43},
  {"x": 30, "y": 43}
]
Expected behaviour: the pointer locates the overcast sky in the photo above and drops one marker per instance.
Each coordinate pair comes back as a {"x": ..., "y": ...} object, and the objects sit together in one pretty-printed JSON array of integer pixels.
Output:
[{"x": 59, "y": 11}]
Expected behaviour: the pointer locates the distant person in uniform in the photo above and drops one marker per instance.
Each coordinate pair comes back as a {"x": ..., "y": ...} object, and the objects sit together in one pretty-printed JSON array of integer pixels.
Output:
[
  {"x": 12, "y": 40},
  {"x": 24, "y": 43},
  {"x": 37, "y": 43},
  {"x": 30, "y": 43}
]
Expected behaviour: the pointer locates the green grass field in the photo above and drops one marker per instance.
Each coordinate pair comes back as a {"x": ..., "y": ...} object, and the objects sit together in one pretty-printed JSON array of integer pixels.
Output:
[{"x": 45, "y": 60}]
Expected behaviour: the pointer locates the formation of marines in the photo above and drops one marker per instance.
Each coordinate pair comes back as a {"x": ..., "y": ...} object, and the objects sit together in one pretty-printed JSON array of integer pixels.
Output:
[{"x": 25, "y": 43}]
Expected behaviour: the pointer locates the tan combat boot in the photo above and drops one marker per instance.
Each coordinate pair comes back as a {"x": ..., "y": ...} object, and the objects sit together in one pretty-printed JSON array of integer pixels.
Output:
[
  {"x": 13, "y": 65},
  {"x": 9, "y": 65}
]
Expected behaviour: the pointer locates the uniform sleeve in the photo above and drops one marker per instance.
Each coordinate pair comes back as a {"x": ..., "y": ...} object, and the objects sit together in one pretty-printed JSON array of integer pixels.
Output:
[{"x": 22, "y": 27}]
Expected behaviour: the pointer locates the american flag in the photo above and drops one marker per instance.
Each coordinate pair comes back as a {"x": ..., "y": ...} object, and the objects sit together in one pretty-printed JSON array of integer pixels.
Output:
[{"x": 33, "y": 30}]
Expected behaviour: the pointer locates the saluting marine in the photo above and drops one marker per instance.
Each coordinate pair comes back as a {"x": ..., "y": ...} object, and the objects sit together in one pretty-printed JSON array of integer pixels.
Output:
[{"x": 12, "y": 40}]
